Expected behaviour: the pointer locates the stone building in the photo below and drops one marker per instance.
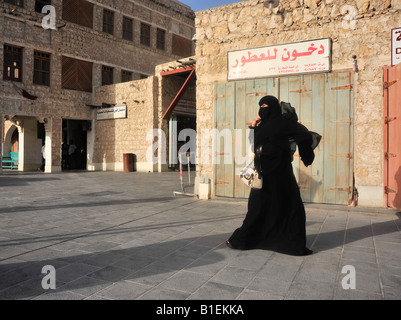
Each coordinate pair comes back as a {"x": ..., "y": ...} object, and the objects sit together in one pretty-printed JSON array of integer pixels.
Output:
[
  {"x": 52, "y": 63},
  {"x": 332, "y": 60},
  {"x": 158, "y": 109},
  {"x": 351, "y": 161}
]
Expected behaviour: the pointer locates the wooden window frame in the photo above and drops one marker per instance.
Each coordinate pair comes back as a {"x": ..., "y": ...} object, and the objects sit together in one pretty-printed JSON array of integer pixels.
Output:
[
  {"x": 78, "y": 12},
  {"x": 161, "y": 39},
  {"x": 145, "y": 34},
  {"x": 39, "y": 4},
  {"x": 18, "y": 3},
  {"x": 181, "y": 46},
  {"x": 10, "y": 69},
  {"x": 128, "y": 27},
  {"x": 107, "y": 75},
  {"x": 108, "y": 26},
  {"x": 43, "y": 74},
  {"x": 76, "y": 74},
  {"x": 126, "y": 76}
]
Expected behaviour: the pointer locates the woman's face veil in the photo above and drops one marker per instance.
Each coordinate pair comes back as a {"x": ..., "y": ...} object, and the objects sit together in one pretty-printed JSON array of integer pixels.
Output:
[{"x": 272, "y": 109}]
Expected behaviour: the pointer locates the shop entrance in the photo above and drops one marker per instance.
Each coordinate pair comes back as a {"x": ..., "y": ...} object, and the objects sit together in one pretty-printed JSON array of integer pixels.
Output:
[
  {"x": 74, "y": 144},
  {"x": 179, "y": 91},
  {"x": 182, "y": 128},
  {"x": 324, "y": 104}
]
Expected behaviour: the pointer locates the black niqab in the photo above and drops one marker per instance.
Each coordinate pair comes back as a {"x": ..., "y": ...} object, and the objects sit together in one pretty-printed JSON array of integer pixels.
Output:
[{"x": 273, "y": 109}]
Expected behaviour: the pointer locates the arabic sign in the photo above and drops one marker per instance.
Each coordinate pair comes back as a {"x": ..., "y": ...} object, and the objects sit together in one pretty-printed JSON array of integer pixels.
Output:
[
  {"x": 280, "y": 60},
  {"x": 113, "y": 113},
  {"x": 396, "y": 46}
]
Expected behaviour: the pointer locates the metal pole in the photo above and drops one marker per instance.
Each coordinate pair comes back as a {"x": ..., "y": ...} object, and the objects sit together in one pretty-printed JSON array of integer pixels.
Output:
[
  {"x": 189, "y": 169},
  {"x": 181, "y": 174}
]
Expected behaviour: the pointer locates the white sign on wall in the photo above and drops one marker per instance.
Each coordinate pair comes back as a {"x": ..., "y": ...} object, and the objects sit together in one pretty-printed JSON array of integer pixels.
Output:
[
  {"x": 113, "y": 113},
  {"x": 280, "y": 60},
  {"x": 396, "y": 46}
]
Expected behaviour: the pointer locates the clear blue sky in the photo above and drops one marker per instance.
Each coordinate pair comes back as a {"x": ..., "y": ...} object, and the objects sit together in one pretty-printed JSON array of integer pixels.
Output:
[{"x": 198, "y": 5}]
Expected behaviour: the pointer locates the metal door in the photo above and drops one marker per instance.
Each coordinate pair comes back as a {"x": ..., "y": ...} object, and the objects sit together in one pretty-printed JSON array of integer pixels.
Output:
[
  {"x": 392, "y": 132},
  {"x": 323, "y": 103}
]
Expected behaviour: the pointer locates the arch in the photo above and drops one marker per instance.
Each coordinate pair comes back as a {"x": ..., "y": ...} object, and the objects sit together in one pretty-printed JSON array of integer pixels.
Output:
[{"x": 11, "y": 137}]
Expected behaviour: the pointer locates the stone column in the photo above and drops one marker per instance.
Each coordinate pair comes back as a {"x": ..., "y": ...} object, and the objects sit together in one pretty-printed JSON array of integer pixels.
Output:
[
  {"x": 53, "y": 128},
  {"x": 21, "y": 145}
]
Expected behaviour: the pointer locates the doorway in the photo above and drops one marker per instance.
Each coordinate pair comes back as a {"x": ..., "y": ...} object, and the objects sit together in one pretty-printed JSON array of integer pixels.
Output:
[
  {"x": 14, "y": 141},
  {"x": 324, "y": 104},
  {"x": 182, "y": 124},
  {"x": 74, "y": 144}
]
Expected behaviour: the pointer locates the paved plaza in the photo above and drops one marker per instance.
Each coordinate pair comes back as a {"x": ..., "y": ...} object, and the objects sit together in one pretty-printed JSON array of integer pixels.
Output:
[{"x": 116, "y": 236}]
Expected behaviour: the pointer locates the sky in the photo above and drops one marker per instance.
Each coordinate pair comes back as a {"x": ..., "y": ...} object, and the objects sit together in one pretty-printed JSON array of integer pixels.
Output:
[{"x": 198, "y": 5}]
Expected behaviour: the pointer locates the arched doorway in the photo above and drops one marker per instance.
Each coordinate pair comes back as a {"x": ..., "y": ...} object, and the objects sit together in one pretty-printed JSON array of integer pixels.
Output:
[{"x": 15, "y": 141}]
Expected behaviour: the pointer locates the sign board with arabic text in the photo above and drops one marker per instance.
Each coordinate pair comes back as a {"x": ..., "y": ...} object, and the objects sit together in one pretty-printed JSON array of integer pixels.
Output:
[
  {"x": 396, "y": 46},
  {"x": 280, "y": 60},
  {"x": 113, "y": 113}
]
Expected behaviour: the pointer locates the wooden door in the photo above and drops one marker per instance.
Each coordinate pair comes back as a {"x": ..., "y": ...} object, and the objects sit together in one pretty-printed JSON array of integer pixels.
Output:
[
  {"x": 392, "y": 133},
  {"x": 324, "y": 105}
]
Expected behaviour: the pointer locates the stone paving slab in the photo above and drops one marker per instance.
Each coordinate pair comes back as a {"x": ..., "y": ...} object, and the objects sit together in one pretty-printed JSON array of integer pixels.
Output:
[{"x": 125, "y": 236}]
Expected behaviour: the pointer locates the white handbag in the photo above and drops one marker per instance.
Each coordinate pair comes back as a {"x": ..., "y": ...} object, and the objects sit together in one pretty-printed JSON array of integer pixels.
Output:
[{"x": 250, "y": 176}]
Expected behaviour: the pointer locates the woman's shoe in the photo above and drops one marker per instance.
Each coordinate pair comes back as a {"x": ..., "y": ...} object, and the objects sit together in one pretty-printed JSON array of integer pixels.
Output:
[
  {"x": 229, "y": 245},
  {"x": 308, "y": 252}
]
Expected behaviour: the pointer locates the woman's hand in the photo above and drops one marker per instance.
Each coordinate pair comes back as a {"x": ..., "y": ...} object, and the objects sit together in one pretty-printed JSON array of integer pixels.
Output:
[{"x": 256, "y": 121}]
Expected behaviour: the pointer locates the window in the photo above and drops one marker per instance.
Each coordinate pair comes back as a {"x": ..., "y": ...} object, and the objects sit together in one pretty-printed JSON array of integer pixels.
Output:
[
  {"x": 19, "y": 3},
  {"x": 12, "y": 64},
  {"x": 39, "y": 4},
  {"x": 143, "y": 76},
  {"x": 41, "y": 68},
  {"x": 107, "y": 76},
  {"x": 126, "y": 76},
  {"x": 76, "y": 74},
  {"x": 145, "y": 34},
  {"x": 181, "y": 46},
  {"x": 161, "y": 39},
  {"x": 79, "y": 12},
  {"x": 127, "y": 28},
  {"x": 108, "y": 21}
]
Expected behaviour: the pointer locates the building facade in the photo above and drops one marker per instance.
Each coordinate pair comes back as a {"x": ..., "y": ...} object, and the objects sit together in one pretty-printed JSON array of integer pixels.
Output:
[{"x": 52, "y": 62}]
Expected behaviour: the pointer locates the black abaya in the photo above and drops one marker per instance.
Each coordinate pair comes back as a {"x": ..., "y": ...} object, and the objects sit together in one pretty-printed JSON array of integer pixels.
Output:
[{"x": 276, "y": 214}]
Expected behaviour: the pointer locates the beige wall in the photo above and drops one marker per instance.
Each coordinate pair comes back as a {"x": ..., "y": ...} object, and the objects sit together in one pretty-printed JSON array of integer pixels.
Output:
[
  {"x": 113, "y": 138},
  {"x": 248, "y": 24}
]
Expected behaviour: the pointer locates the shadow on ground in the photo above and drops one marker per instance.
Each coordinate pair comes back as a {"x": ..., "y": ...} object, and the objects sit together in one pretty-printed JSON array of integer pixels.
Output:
[{"x": 144, "y": 265}]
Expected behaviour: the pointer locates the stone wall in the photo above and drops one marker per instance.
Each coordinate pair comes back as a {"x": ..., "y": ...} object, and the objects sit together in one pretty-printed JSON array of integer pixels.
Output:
[
  {"x": 113, "y": 138},
  {"x": 248, "y": 24}
]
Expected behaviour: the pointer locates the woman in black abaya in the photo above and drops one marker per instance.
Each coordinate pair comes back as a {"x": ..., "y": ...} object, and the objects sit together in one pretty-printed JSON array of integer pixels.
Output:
[{"x": 276, "y": 214}]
